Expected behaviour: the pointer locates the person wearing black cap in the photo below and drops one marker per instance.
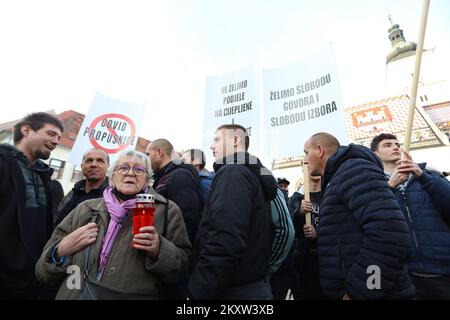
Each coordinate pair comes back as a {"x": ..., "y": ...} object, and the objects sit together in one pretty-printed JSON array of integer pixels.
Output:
[{"x": 284, "y": 183}]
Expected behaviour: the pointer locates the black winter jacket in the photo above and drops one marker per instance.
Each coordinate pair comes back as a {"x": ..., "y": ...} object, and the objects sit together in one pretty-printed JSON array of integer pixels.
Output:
[
  {"x": 180, "y": 183},
  {"x": 76, "y": 196},
  {"x": 233, "y": 244},
  {"x": 17, "y": 278},
  {"x": 361, "y": 229}
]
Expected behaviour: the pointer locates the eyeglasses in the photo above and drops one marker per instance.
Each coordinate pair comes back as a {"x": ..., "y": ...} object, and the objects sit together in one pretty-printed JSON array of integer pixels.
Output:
[{"x": 138, "y": 171}]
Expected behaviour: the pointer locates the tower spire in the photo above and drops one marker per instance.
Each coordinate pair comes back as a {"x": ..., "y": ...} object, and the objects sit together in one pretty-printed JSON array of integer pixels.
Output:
[
  {"x": 399, "y": 44},
  {"x": 390, "y": 19}
]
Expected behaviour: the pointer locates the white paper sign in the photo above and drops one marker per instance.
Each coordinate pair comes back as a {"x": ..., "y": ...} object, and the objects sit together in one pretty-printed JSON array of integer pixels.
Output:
[
  {"x": 110, "y": 125},
  {"x": 302, "y": 99},
  {"x": 232, "y": 98}
]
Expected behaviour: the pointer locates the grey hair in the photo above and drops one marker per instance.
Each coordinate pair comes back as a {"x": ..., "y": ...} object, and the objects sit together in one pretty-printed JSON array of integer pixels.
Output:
[{"x": 134, "y": 155}]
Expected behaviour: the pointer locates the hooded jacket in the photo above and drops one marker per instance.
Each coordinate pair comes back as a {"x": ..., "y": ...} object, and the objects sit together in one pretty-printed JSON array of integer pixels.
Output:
[
  {"x": 363, "y": 235},
  {"x": 233, "y": 244},
  {"x": 25, "y": 222}
]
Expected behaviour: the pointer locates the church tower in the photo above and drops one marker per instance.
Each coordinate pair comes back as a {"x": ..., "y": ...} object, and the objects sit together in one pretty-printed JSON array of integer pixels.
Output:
[
  {"x": 400, "y": 47},
  {"x": 400, "y": 62}
]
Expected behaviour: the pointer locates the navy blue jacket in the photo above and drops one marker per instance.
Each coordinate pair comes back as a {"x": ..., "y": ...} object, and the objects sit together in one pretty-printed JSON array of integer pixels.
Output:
[
  {"x": 425, "y": 204},
  {"x": 361, "y": 225},
  {"x": 234, "y": 240}
]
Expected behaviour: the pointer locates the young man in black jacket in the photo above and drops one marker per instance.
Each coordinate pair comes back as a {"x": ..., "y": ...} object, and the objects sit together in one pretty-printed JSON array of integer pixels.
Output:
[
  {"x": 26, "y": 219},
  {"x": 233, "y": 245}
]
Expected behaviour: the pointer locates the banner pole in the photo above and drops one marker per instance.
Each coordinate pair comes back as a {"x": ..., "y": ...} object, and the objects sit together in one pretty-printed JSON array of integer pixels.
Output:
[
  {"x": 415, "y": 83},
  {"x": 306, "y": 190}
]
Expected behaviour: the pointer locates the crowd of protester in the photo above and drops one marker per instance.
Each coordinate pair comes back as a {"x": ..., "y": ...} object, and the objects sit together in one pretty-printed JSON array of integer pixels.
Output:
[{"x": 376, "y": 225}]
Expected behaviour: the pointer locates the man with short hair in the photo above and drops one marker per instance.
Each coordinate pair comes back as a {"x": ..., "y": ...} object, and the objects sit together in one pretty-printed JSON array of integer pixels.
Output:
[
  {"x": 233, "y": 246},
  {"x": 197, "y": 158},
  {"x": 423, "y": 196},
  {"x": 363, "y": 237},
  {"x": 26, "y": 219},
  {"x": 94, "y": 165},
  {"x": 178, "y": 182}
]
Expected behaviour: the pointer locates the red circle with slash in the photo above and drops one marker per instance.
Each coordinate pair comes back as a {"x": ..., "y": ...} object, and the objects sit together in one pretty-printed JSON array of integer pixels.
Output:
[{"x": 112, "y": 131}]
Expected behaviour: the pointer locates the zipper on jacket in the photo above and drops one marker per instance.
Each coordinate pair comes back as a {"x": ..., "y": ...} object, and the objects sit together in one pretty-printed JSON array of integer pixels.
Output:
[{"x": 405, "y": 202}]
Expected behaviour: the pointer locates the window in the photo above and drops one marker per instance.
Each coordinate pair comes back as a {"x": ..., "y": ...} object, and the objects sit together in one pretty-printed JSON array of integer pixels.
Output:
[
  {"x": 77, "y": 175},
  {"x": 58, "y": 166}
]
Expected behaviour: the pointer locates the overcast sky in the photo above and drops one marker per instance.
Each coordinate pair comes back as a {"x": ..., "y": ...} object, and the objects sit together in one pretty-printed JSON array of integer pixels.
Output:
[{"x": 57, "y": 54}]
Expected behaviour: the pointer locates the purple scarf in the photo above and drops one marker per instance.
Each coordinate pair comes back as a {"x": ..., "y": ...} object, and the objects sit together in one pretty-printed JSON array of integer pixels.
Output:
[{"x": 117, "y": 211}]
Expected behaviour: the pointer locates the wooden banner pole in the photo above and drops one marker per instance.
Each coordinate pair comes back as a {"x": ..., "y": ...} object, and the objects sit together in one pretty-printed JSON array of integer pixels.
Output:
[
  {"x": 306, "y": 191},
  {"x": 415, "y": 83}
]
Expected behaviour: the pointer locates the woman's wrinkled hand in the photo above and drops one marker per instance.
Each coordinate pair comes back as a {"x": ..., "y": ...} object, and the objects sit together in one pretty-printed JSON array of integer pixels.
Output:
[
  {"x": 148, "y": 240},
  {"x": 78, "y": 240}
]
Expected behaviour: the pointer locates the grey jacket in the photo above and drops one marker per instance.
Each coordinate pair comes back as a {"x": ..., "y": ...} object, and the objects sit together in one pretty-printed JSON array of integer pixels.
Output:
[{"x": 127, "y": 269}]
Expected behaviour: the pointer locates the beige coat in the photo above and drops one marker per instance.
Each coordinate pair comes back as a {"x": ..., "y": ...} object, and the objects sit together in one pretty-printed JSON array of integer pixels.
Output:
[{"x": 128, "y": 269}]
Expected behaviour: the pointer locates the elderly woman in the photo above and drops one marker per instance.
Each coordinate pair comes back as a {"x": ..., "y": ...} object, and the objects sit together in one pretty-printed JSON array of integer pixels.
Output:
[{"x": 97, "y": 236}]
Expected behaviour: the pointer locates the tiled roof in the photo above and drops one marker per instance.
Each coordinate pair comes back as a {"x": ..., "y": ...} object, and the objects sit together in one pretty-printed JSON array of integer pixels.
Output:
[
  {"x": 72, "y": 122},
  {"x": 440, "y": 114},
  {"x": 390, "y": 115}
]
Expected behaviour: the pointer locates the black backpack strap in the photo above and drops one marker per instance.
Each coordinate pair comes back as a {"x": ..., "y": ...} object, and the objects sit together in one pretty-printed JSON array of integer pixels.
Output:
[
  {"x": 166, "y": 215},
  {"x": 87, "y": 251}
]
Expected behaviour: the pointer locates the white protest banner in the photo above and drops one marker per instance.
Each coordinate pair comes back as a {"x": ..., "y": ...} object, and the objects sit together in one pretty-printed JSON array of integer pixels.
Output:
[
  {"x": 110, "y": 125},
  {"x": 232, "y": 98},
  {"x": 302, "y": 99}
]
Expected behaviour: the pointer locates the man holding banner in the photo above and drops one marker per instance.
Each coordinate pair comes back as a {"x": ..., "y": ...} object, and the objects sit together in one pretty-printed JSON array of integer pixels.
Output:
[
  {"x": 423, "y": 197},
  {"x": 364, "y": 240}
]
